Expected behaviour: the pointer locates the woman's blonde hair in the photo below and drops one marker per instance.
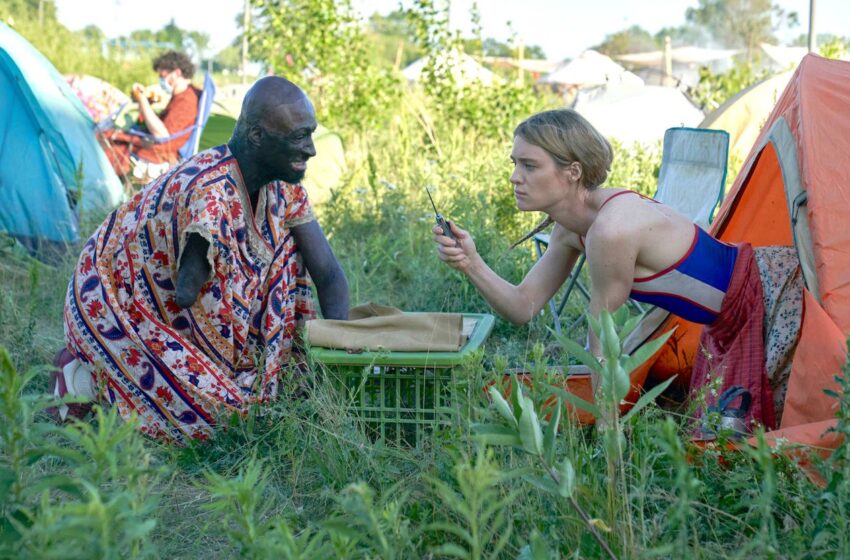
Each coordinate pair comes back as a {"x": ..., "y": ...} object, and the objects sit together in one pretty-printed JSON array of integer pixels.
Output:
[{"x": 568, "y": 137}]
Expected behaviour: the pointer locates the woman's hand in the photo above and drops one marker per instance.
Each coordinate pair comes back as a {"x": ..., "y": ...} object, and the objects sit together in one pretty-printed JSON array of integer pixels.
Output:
[{"x": 458, "y": 254}]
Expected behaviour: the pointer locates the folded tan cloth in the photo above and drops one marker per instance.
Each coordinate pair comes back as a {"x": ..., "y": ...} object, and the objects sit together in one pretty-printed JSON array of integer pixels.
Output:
[{"x": 374, "y": 327}]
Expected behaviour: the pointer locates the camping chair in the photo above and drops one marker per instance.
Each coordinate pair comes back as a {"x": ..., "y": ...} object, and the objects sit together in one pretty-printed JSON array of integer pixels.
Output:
[{"x": 691, "y": 180}]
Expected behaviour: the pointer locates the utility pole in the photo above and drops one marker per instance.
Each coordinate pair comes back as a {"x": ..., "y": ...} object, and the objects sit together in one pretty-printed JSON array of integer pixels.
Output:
[
  {"x": 813, "y": 42},
  {"x": 246, "y": 25},
  {"x": 520, "y": 53},
  {"x": 667, "y": 79},
  {"x": 40, "y": 13}
]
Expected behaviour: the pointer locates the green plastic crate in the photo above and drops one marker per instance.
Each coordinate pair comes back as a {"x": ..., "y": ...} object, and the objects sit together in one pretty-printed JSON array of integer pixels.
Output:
[{"x": 402, "y": 396}]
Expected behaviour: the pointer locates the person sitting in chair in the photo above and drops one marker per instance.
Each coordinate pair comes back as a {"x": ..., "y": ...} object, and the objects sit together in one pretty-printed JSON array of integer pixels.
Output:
[{"x": 146, "y": 159}]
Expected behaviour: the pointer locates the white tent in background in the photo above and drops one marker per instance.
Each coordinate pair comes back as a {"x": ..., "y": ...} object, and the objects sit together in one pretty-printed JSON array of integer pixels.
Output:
[
  {"x": 465, "y": 69},
  {"x": 636, "y": 114},
  {"x": 685, "y": 62},
  {"x": 589, "y": 69},
  {"x": 743, "y": 115},
  {"x": 784, "y": 58},
  {"x": 532, "y": 65},
  {"x": 680, "y": 55}
]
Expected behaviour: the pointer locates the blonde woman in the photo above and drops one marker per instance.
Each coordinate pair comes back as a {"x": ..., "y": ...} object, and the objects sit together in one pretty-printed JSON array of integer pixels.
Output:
[{"x": 635, "y": 247}]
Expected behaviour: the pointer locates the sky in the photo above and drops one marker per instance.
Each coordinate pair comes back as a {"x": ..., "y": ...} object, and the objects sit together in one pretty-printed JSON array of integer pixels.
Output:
[{"x": 563, "y": 28}]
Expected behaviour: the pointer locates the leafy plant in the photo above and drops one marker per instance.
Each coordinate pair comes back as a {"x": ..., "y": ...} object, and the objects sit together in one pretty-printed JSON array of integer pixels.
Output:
[
  {"x": 381, "y": 528},
  {"x": 246, "y": 518},
  {"x": 713, "y": 90},
  {"x": 480, "y": 524},
  {"x": 94, "y": 501},
  {"x": 612, "y": 384}
]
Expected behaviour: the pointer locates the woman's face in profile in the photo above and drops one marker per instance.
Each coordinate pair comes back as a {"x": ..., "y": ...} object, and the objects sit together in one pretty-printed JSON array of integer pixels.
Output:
[{"x": 537, "y": 180}]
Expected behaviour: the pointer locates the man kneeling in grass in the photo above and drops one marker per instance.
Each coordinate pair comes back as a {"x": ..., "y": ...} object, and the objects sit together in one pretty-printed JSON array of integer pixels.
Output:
[{"x": 185, "y": 301}]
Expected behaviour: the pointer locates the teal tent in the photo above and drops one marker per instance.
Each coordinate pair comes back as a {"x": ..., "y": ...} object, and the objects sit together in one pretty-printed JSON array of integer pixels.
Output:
[{"x": 52, "y": 168}]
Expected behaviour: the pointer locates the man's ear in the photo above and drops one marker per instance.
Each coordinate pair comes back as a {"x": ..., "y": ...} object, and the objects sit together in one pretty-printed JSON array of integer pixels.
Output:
[{"x": 255, "y": 135}]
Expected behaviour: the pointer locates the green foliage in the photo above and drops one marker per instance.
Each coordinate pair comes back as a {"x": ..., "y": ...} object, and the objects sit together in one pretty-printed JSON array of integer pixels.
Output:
[
  {"x": 713, "y": 90},
  {"x": 298, "y": 478},
  {"x": 495, "y": 47},
  {"x": 631, "y": 40},
  {"x": 80, "y": 53},
  {"x": 381, "y": 528},
  {"x": 834, "y": 502},
  {"x": 480, "y": 524},
  {"x": 741, "y": 23},
  {"x": 685, "y": 488},
  {"x": 836, "y": 48},
  {"x": 328, "y": 52},
  {"x": 635, "y": 167},
  {"x": 486, "y": 110},
  {"x": 392, "y": 40},
  {"x": 77, "y": 491},
  {"x": 681, "y": 35},
  {"x": 246, "y": 518}
]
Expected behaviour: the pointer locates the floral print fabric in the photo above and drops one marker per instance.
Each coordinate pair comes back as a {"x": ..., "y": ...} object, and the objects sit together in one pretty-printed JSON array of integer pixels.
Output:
[
  {"x": 782, "y": 291},
  {"x": 179, "y": 369}
]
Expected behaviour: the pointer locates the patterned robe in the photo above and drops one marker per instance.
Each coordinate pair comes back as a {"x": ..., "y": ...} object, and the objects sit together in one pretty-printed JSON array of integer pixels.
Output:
[{"x": 178, "y": 369}]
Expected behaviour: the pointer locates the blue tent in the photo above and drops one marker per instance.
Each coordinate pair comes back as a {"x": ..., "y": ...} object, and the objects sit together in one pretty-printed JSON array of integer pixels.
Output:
[{"x": 52, "y": 168}]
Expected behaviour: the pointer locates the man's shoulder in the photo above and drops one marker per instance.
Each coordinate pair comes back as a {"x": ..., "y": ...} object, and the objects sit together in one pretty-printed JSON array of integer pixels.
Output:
[
  {"x": 190, "y": 94},
  {"x": 208, "y": 168}
]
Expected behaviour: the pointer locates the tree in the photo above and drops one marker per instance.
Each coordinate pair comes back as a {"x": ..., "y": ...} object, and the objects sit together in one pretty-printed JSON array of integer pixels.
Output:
[
  {"x": 682, "y": 35},
  {"x": 229, "y": 58},
  {"x": 197, "y": 42},
  {"x": 802, "y": 40},
  {"x": 741, "y": 23},
  {"x": 172, "y": 34},
  {"x": 321, "y": 45},
  {"x": 28, "y": 10},
  {"x": 494, "y": 47},
  {"x": 93, "y": 34},
  {"x": 386, "y": 34},
  {"x": 631, "y": 40}
]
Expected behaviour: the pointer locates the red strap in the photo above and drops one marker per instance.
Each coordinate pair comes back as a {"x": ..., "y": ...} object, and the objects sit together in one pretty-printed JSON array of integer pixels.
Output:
[{"x": 609, "y": 199}]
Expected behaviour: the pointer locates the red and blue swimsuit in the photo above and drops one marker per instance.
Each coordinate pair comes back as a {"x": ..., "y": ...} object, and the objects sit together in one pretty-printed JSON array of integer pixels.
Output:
[{"x": 694, "y": 286}]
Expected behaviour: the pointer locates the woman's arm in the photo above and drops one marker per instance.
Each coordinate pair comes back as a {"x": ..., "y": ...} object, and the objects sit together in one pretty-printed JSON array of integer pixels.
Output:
[
  {"x": 611, "y": 257},
  {"x": 518, "y": 304}
]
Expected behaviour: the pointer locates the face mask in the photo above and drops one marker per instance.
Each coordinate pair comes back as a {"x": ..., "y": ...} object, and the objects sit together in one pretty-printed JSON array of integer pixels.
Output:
[{"x": 166, "y": 87}]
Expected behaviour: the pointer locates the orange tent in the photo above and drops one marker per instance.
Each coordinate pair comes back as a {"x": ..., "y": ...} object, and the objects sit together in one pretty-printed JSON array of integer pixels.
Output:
[{"x": 794, "y": 189}]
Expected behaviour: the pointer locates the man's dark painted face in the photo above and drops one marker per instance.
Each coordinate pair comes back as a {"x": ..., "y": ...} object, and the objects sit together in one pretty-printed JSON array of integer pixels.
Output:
[{"x": 288, "y": 147}]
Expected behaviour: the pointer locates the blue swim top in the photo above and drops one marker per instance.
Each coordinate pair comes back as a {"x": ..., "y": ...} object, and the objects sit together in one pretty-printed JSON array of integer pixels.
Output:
[{"x": 694, "y": 286}]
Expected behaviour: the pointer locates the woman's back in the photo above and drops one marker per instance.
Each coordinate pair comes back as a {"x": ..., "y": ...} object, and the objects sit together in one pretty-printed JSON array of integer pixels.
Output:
[{"x": 678, "y": 266}]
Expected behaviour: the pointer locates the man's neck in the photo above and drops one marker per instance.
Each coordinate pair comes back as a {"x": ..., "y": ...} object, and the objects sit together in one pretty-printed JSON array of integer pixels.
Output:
[
  {"x": 253, "y": 179},
  {"x": 181, "y": 86}
]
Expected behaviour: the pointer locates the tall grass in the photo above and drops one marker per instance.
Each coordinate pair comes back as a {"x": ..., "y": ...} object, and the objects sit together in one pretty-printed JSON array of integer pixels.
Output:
[{"x": 299, "y": 479}]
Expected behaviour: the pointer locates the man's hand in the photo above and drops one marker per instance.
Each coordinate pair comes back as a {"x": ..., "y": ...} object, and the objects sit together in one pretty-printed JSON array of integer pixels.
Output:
[
  {"x": 138, "y": 91},
  {"x": 193, "y": 271}
]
